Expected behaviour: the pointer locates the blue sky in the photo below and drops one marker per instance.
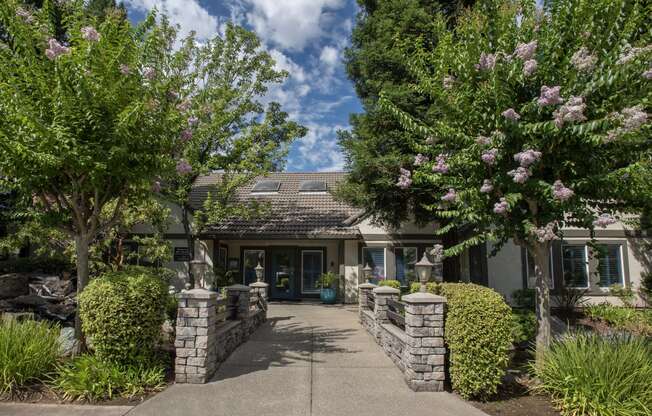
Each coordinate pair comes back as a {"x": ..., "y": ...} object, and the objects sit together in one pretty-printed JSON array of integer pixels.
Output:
[{"x": 307, "y": 38}]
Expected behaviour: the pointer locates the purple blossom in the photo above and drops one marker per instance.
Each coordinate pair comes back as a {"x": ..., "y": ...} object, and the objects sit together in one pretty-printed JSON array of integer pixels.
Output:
[
  {"x": 183, "y": 167},
  {"x": 156, "y": 186},
  {"x": 604, "y": 220},
  {"x": 647, "y": 74},
  {"x": 90, "y": 34},
  {"x": 487, "y": 62},
  {"x": 529, "y": 67},
  {"x": 448, "y": 82},
  {"x": 193, "y": 121},
  {"x": 583, "y": 60},
  {"x": 450, "y": 196},
  {"x": 149, "y": 73},
  {"x": 560, "y": 192},
  {"x": 510, "y": 114},
  {"x": 441, "y": 166},
  {"x": 489, "y": 156},
  {"x": 55, "y": 49},
  {"x": 633, "y": 117},
  {"x": 483, "y": 140},
  {"x": 572, "y": 111},
  {"x": 186, "y": 135},
  {"x": 173, "y": 95},
  {"x": 527, "y": 157},
  {"x": 550, "y": 96},
  {"x": 520, "y": 174},
  {"x": 526, "y": 51},
  {"x": 404, "y": 180},
  {"x": 26, "y": 15},
  {"x": 546, "y": 233},
  {"x": 184, "y": 105},
  {"x": 420, "y": 159},
  {"x": 501, "y": 207},
  {"x": 486, "y": 187},
  {"x": 629, "y": 53},
  {"x": 124, "y": 69}
]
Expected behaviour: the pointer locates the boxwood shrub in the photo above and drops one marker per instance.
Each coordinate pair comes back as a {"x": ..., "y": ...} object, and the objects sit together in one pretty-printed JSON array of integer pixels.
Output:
[
  {"x": 478, "y": 336},
  {"x": 391, "y": 283},
  {"x": 122, "y": 313}
]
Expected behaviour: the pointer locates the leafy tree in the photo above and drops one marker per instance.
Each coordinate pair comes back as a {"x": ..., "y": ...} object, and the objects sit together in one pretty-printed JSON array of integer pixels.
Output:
[
  {"x": 539, "y": 122},
  {"x": 88, "y": 122}
]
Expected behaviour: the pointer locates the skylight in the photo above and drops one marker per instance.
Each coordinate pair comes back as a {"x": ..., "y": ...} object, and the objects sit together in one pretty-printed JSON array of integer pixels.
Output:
[
  {"x": 312, "y": 186},
  {"x": 266, "y": 186}
]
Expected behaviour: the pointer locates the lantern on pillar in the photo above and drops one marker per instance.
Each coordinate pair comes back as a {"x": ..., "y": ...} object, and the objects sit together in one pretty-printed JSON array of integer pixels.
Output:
[
  {"x": 259, "y": 272},
  {"x": 424, "y": 270},
  {"x": 367, "y": 272}
]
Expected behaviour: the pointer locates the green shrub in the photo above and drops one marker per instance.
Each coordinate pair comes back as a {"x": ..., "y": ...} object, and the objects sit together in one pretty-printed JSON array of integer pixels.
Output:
[
  {"x": 586, "y": 374},
  {"x": 624, "y": 293},
  {"x": 122, "y": 313},
  {"x": 478, "y": 335},
  {"x": 89, "y": 378},
  {"x": 328, "y": 280},
  {"x": 623, "y": 318},
  {"x": 391, "y": 283},
  {"x": 525, "y": 298},
  {"x": 28, "y": 352},
  {"x": 524, "y": 326}
]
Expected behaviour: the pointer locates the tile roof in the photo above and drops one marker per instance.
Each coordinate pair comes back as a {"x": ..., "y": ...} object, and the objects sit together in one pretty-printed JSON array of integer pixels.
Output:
[{"x": 291, "y": 214}]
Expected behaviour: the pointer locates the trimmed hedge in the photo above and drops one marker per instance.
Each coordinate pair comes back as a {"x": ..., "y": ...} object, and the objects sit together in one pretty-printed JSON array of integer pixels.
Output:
[
  {"x": 122, "y": 313},
  {"x": 391, "y": 283},
  {"x": 478, "y": 336}
]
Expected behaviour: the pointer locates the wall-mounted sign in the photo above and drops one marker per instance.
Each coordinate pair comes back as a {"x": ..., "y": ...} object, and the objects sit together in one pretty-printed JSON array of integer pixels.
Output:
[{"x": 181, "y": 254}]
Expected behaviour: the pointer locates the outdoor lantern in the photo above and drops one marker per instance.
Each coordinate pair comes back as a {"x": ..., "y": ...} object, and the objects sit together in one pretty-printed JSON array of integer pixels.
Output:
[
  {"x": 259, "y": 272},
  {"x": 424, "y": 270},
  {"x": 367, "y": 272},
  {"x": 198, "y": 271}
]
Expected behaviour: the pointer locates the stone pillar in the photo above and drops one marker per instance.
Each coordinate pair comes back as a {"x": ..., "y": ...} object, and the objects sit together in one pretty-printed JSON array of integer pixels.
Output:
[
  {"x": 425, "y": 351},
  {"x": 242, "y": 293},
  {"x": 383, "y": 293},
  {"x": 260, "y": 289},
  {"x": 196, "y": 357},
  {"x": 363, "y": 290}
]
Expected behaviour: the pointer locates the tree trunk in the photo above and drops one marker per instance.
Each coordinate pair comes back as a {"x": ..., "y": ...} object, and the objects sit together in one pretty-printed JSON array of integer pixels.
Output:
[
  {"x": 81, "y": 248},
  {"x": 541, "y": 254}
]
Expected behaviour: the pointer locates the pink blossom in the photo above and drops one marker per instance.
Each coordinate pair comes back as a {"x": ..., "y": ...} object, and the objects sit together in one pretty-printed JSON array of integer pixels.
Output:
[
  {"x": 448, "y": 82},
  {"x": 124, "y": 69},
  {"x": 193, "y": 121},
  {"x": 173, "y": 95},
  {"x": 487, "y": 62},
  {"x": 633, "y": 117},
  {"x": 55, "y": 49},
  {"x": 186, "y": 135},
  {"x": 183, "y": 167},
  {"x": 501, "y": 207},
  {"x": 486, "y": 187},
  {"x": 647, "y": 74},
  {"x": 527, "y": 157},
  {"x": 149, "y": 73},
  {"x": 25, "y": 15},
  {"x": 529, "y": 67},
  {"x": 510, "y": 114},
  {"x": 489, "y": 157},
  {"x": 520, "y": 174},
  {"x": 156, "y": 186},
  {"x": 560, "y": 192},
  {"x": 450, "y": 196},
  {"x": 404, "y": 180},
  {"x": 184, "y": 105},
  {"x": 629, "y": 53},
  {"x": 546, "y": 233},
  {"x": 572, "y": 111},
  {"x": 526, "y": 51},
  {"x": 583, "y": 60},
  {"x": 483, "y": 140},
  {"x": 89, "y": 33},
  {"x": 604, "y": 220},
  {"x": 440, "y": 164},
  {"x": 550, "y": 96},
  {"x": 420, "y": 159}
]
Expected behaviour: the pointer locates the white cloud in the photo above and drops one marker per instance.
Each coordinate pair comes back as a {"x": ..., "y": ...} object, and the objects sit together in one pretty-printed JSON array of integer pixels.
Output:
[
  {"x": 319, "y": 150},
  {"x": 188, "y": 14},
  {"x": 329, "y": 56},
  {"x": 283, "y": 62},
  {"x": 291, "y": 24}
]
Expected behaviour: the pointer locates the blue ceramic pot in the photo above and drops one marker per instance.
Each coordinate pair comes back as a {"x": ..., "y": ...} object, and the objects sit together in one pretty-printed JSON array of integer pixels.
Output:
[{"x": 328, "y": 296}]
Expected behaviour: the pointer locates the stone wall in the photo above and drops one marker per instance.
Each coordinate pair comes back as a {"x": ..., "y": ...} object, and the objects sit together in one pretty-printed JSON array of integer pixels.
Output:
[
  {"x": 204, "y": 338},
  {"x": 419, "y": 349}
]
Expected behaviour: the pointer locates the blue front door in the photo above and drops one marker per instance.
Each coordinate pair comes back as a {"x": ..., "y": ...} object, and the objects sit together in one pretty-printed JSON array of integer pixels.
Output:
[{"x": 283, "y": 268}]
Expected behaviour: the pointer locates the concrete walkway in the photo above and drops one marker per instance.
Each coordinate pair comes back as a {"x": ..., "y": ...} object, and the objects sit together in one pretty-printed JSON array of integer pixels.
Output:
[
  {"x": 308, "y": 359},
  {"x": 28, "y": 409}
]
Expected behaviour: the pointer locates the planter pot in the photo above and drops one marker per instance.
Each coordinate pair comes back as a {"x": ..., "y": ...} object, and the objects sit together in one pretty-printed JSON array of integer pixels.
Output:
[{"x": 328, "y": 296}]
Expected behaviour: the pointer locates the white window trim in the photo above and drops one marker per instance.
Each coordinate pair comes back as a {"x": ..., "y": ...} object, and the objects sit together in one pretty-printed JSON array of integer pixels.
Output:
[
  {"x": 586, "y": 265},
  {"x": 551, "y": 266},
  {"x": 395, "y": 264},
  {"x": 384, "y": 258},
  {"x": 321, "y": 254},
  {"x": 244, "y": 256},
  {"x": 606, "y": 289}
]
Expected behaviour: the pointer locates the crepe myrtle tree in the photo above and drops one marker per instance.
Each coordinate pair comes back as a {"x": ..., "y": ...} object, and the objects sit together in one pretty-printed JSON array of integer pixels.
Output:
[
  {"x": 540, "y": 122},
  {"x": 227, "y": 128},
  {"x": 87, "y": 118}
]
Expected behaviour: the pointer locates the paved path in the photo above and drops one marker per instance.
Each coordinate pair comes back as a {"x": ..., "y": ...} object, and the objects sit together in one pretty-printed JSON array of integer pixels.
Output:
[
  {"x": 26, "y": 409},
  {"x": 307, "y": 360}
]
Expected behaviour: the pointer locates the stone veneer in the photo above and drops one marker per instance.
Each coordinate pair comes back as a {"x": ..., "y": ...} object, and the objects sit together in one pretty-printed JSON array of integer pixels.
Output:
[
  {"x": 419, "y": 350},
  {"x": 202, "y": 340}
]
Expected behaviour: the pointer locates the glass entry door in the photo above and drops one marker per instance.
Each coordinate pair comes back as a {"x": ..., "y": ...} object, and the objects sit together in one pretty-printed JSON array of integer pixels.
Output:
[{"x": 283, "y": 262}]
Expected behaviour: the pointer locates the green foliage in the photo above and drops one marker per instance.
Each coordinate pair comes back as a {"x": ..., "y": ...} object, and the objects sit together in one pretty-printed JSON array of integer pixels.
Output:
[
  {"x": 89, "y": 378},
  {"x": 624, "y": 293},
  {"x": 569, "y": 299},
  {"x": 391, "y": 283},
  {"x": 329, "y": 280},
  {"x": 122, "y": 313},
  {"x": 478, "y": 335},
  {"x": 622, "y": 318},
  {"x": 28, "y": 353},
  {"x": 587, "y": 374},
  {"x": 524, "y": 298},
  {"x": 524, "y": 326},
  {"x": 34, "y": 264}
]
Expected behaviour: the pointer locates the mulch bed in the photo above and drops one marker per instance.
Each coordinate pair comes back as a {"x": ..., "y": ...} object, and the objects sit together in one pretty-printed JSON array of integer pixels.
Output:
[{"x": 514, "y": 399}]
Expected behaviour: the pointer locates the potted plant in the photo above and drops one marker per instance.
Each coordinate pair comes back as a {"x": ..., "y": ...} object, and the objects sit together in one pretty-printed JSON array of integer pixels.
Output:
[{"x": 328, "y": 294}]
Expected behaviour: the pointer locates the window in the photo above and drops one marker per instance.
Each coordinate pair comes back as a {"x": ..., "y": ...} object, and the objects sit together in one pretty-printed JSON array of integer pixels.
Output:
[
  {"x": 610, "y": 269},
  {"x": 375, "y": 258},
  {"x": 575, "y": 265},
  {"x": 222, "y": 257},
  {"x": 531, "y": 276},
  {"x": 405, "y": 258},
  {"x": 312, "y": 187},
  {"x": 312, "y": 266},
  {"x": 250, "y": 260},
  {"x": 266, "y": 186}
]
